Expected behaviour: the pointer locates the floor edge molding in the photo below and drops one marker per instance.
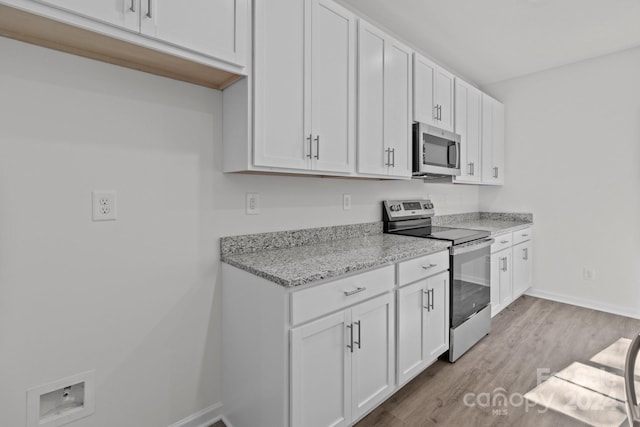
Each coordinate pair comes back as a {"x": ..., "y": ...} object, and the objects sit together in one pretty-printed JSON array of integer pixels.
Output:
[
  {"x": 580, "y": 302},
  {"x": 202, "y": 418}
]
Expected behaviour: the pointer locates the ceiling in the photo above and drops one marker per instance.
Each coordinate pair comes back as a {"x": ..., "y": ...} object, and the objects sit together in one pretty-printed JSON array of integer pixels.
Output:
[{"x": 488, "y": 41}]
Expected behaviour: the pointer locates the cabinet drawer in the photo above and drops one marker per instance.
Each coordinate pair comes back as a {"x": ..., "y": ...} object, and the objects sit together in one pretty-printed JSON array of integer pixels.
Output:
[
  {"x": 502, "y": 241},
  {"x": 425, "y": 266},
  {"x": 319, "y": 300},
  {"x": 522, "y": 235}
]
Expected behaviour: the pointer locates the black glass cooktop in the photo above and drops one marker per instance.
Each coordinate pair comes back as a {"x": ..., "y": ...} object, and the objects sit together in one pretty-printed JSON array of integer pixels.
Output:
[{"x": 454, "y": 235}]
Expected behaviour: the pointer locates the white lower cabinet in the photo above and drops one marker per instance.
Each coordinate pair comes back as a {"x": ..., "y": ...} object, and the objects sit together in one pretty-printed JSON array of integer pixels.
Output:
[
  {"x": 522, "y": 267},
  {"x": 342, "y": 365},
  {"x": 326, "y": 355},
  {"x": 423, "y": 324},
  {"x": 501, "y": 286},
  {"x": 511, "y": 268}
]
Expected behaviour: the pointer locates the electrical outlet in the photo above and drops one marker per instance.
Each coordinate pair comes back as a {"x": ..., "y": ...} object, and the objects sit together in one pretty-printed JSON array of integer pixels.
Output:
[
  {"x": 253, "y": 204},
  {"x": 104, "y": 205},
  {"x": 346, "y": 202},
  {"x": 589, "y": 273}
]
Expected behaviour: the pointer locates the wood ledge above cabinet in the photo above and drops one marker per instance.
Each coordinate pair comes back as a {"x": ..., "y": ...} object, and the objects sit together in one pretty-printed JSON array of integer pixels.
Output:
[{"x": 49, "y": 33}]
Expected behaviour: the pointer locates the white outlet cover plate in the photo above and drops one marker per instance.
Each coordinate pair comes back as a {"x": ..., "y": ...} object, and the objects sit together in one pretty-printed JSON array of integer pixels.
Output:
[
  {"x": 253, "y": 204},
  {"x": 103, "y": 205}
]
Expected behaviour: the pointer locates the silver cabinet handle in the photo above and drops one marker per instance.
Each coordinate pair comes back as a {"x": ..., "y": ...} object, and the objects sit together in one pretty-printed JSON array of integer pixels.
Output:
[
  {"x": 149, "y": 8},
  {"x": 427, "y": 267},
  {"x": 388, "y": 153},
  {"x": 495, "y": 172},
  {"x": 525, "y": 235},
  {"x": 504, "y": 263},
  {"x": 317, "y": 156},
  {"x": 393, "y": 157},
  {"x": 473, "y": 169},
  {"x": 435, "y": 112},
  {"x": 350, "y": 328},
  {"x": 504, "y": 241},
  {"x": 355, "y": 291},
  {"x": 309, "y": 138},
  {"x": 428, "y": 306},
  {"x": 132, "y": 8},
  {"x": 431, "y": 299},
  {"x": 526, "y": 254},
  {"x": 440, "y": 112},
  {"x": 359, "y": 334},
  {"x": 633, "y": 410}
]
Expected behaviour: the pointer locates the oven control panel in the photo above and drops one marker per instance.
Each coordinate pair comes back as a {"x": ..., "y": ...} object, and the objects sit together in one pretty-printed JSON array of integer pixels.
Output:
[{"x": 404, "y": 209}]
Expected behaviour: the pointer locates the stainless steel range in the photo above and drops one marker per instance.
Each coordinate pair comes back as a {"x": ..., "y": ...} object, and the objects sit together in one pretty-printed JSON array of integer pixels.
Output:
[{"x": 469, "y": 269}]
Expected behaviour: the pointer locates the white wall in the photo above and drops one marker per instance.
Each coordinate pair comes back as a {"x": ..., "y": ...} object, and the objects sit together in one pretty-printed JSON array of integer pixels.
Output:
[
  {"x": 573, "y": 159},
  {"x": 136, "y": 299}
]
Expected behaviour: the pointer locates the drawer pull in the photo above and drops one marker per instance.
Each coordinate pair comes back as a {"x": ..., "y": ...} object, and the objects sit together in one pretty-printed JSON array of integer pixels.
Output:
[
  {"x": 427, "y": 267},
  {"x": 359, "y": 333},
  {"x": 504, "y": 241},
  {"x": 525, "y": 235},
  {"x": 355, "y": 291}
]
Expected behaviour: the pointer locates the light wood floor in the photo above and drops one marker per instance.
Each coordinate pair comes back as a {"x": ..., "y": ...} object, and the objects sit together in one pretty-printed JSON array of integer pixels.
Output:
[{"x": 528, "y": 335}]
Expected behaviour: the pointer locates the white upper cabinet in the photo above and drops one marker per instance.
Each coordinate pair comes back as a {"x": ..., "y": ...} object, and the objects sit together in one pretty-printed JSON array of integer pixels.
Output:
[
  {"x": 304, "y": 105},
  {"x": 206, "y": 26},
  {"x": 468, "y": 124},
  {"x": 384, "y": 104},
  {"x": 330, "y": 112},
  {"x": 433, "y": 100},
  {"x": 215, "y": 28},
  {"x": 279, "y": 85},
  {"x": 121, "y": 13},
  {"x": 492, "y": 141}
]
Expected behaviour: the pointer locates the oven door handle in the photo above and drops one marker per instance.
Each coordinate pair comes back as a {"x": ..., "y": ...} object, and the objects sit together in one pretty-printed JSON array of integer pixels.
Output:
[{"x": 470, "y": 248}]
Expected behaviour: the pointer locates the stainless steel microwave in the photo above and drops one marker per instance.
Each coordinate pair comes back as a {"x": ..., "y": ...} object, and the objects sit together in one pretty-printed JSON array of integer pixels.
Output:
[{"x": 436, "y": 152}]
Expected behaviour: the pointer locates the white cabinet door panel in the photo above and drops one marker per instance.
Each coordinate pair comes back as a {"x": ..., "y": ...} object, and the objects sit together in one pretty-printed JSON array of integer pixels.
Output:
[
  {"x": 279, "y": 136},
  {"x": 506, "y": 290},
  {"x": 205, "y": 26},
  {"x": 444, "y": 83},
  {"x": 411, "y": 302},
  {"x": 372, "y": 155},
  {"x": 373, "y": 361},
  {"x": 321, "y": 372},
  {"x": 436, "y": 328},
  {"x": 468, "y": 124},
  {"x": 424, "y": 73},
  {"x": 397, "y": 103},
  {"x": 332, "y": 86},
  {"x": 121, "y": 13},
  {"x": 522, "y": 268}
]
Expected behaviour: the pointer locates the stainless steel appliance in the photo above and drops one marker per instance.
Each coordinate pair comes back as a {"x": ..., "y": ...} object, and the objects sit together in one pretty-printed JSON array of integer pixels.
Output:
[
  {"x": 469, "y": 269},
  {"x": 436, "y": 152}
]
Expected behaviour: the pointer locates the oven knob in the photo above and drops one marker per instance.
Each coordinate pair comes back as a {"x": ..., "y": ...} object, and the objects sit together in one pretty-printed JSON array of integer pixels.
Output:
[{"x": 392, "y": 208}]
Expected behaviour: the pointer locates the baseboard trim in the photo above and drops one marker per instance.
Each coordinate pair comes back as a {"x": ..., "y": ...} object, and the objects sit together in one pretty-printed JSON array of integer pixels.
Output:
[
  {"x": 203, "y": 418},
  {"x": 581, "y": 302}
]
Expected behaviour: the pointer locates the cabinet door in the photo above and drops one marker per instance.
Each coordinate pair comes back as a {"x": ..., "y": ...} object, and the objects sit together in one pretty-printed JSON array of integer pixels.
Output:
[
  {"x": 492, "y": 141},
  {"x": 210, "y": 27},
  {"x": 373, "y": 157},
  {"x": 373, "y": 360},
  {"x": 424, "y": 72},
  {"x": 522, "y": 268},
  {"x": 398, "y": 109},
  {"x": 444, "y": 84},
  {"x": 321, "y": 372},
  {"x": 436, "y": 330},
  {"x": 279, "y": 137},
  {"x": 412, "y": 301},
  {"x": 506, "y": 289},
  {"x": 121, "y": 13},
  {"x": 332, "y": 86},
  {"x": 468, "y": 124}
]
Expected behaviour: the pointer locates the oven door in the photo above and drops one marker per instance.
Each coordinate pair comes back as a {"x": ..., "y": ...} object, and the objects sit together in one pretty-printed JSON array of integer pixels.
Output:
[{"x": 470, "y": 279}]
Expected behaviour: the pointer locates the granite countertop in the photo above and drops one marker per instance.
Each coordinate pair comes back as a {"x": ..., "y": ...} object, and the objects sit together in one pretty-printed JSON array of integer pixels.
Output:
[
  {"x": 299, "y": 257},
  {"x": 300, "y": 265},
  {"x": 496, "y": 223}
]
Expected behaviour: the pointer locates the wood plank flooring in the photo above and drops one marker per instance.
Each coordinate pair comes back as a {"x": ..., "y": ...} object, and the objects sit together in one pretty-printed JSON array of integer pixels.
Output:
[{"x": 528, "y": 335}]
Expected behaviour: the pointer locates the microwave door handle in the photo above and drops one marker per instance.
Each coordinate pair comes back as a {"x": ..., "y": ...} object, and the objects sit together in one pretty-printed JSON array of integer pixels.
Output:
[{"x": 454, "y": 151}]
